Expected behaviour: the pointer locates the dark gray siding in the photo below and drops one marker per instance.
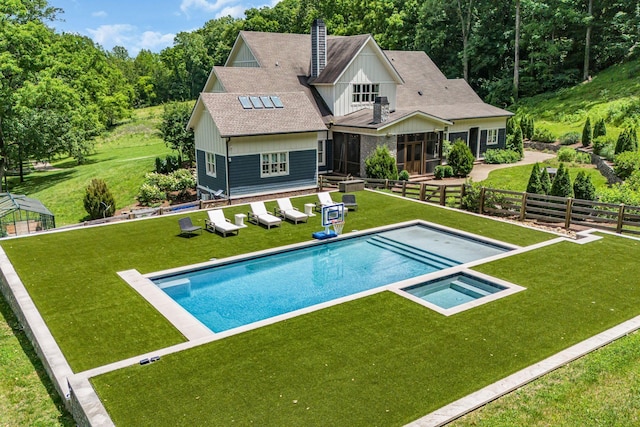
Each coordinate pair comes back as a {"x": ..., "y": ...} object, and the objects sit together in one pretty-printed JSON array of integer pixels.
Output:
[
  {"x": 454, "y": 136},
  {"x": 244, "y": 174},
  {"x": 204, "y": 180},
  {"x": 499, "y": 146}
]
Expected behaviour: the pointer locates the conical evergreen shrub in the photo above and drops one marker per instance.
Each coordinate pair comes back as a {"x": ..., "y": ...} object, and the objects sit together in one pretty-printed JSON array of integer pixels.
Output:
[
  {"x": 534, "y": 186},
  {"x": 583, "y": 188},
  {"x": 599, "y": 129},
  {"x": 98, "y": 200},
  {"x": 561, "y": 186},
  {"x": 545, "y": 181},
  {"x": 587, "y": 133}
]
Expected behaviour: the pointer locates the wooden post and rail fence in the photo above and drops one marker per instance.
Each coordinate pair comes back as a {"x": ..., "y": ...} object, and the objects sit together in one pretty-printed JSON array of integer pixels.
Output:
[{"x": 618, "y": 218}]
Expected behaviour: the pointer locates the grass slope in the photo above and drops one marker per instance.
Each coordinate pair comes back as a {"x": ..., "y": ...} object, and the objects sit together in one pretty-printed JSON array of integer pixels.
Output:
[
  {"x": 612, "y": 94},
  {"x": 383, "y": 360},
  {"x": 122, "y": 157}
]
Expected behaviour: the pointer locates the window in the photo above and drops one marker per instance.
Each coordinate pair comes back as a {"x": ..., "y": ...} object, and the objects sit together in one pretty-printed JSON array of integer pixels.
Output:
[
  {"x": 365, "y": 93},
  {"x": 492, "y": 136},
  {"x": 211, "y": 164},
  {"x": 321, "y": 153},
  {"x": 274, "y": 164}
]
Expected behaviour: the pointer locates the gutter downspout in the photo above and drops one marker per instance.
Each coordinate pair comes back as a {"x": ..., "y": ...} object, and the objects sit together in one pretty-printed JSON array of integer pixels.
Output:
[{"x": 226, "y": 164}]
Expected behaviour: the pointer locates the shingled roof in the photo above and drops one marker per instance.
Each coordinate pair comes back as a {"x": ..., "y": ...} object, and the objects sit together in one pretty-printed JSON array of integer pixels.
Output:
[{"x": 233, "y": 120}]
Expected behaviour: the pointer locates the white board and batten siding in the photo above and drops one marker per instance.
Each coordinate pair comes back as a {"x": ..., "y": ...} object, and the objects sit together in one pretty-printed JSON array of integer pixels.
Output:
[
  {"x": 207, "y": 136},
  {"x": 366, "y": 68},
  {"x": 246, "y": 145},
  {"x": 488, "y": 123},
  {"x": 415, "y": 124},
  {"x": 241, "y": 56}
]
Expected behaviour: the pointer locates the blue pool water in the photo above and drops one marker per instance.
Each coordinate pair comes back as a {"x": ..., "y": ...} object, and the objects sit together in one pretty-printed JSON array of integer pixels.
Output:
[
  {"x": 455, "y": 290},
  {"x": 236, "y": 294}
]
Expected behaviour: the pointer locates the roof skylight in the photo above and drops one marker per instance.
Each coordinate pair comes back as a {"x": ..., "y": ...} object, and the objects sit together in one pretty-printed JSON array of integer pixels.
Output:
[
  {"x": 277, "y": 102},
  {"x": 244, "y": 100},
  {"x": 260, "y": 102}
]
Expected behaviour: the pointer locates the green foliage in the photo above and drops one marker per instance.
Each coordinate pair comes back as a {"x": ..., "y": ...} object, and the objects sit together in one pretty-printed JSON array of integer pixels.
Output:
[
  {"x": 512, "y": 125},
  {"x": 600, "y": 142},
  {"x": 173, "y": 129},
  {"x": 167, "y": 165},
  {"x": 446, "y": 147},
  {"x": 584, "y": 158},
  {"x": 566, "y": 154},
  {"x": 98, "y": 200},
  {"x": 587, "y": 133},
  {"x": 534, "y": 185},
  {"x": 381, "y": 164},
  {"x": 515, "y": 143},
  {"x": 460, "y": 158},
  {"x": 527, "y": 126},
  {"x": 543, "y": 135},
  {"x": 150, "y": 195},
  {"x": 545, "y": 182},
  {"x": 443, "y": 171},
  {"x": 626, "y": 163},
  {"x": 627, "y": 192},
  {"x": 570, "y": 138},
  {"x": 599, "y": 129},
  {"x": 184, "y": 181},
  {"x": 627, "y": 141},
  {"x": 403, "y": 175},
  {"x": 561, "y": 186},
  {"x": 501, "y": 156},
  {"x": 608, "y": 152},
  {"x": 583, "y": 188},
  {"x": 471, "y": 199}
]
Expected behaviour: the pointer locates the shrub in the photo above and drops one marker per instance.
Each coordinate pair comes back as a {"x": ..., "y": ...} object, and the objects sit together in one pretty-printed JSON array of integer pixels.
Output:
[
  {"x": 501, "y": 156},
  {"x": 443, "y": 171},
  {"x": 561, "y": 186},
  {"x": 599, "y": 129},
  {"x": 460, "y": 158},
  {"x": 448, "y": 171},
  {"x": 566, "y": 154},
  {"x": 545, "y": 182},
  {"x": 404, "y": 175},
  {"x": 626, "y": 192},
  {"x": 446, "y": 147},
  {"x": 627, "y": 141},
  {"x": 162, "y": 181},
  {"x": 381, "y": 165},
  {"x": 150, "y": 194},
  {"x": 608, "y": 152},
  {"x": 471, "y": 199},
  {"x": 527, "y": 126},
  {"x": 183, "y": 181},
  {"x": 587, "y": 133},
  {"x": 570, "y": 138},
  {"x": 168, "y": 164},
  {"x": 98, "y": 200},
  {"x": 626, "y": 163},
  {"x": 600, "y": 142},
  {"x": 583, "y": 188},
  {"x": 543, "y": 135},
  {"x": 584, "y": 158},
  {"x": 534, "y": 181}
]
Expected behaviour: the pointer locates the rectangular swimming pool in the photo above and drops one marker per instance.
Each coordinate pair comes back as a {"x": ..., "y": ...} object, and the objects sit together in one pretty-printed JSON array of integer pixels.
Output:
[{"x": 238, "y": 293}]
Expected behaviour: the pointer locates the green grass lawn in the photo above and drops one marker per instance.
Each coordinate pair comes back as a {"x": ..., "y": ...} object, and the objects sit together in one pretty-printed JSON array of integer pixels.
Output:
[
  {"x": 377, "y": 360},
  {"x": 122, "y": 157},
  {"x": 383, "y": 360},
  {"x": 516, "y": 178}
]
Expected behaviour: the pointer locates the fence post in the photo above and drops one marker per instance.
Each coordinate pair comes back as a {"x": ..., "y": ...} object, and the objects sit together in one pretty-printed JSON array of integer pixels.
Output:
[
  {"x": 567, "y": 216},
  {"x": 523, "y": 207},
  {"x": 201, "y": 204},
  {"x": 422, "y": 191},
  {"x": 481, "y": 207},
  {"x": 321, "y": 182},
  {"x": 404, "y": 188},
  {"x": 443, "y": 194},
  {"x": 620, "y": 218}
]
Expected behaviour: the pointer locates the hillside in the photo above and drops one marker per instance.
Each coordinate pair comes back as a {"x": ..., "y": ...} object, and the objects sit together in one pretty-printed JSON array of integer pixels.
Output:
[{"x": 613, "y": 94}]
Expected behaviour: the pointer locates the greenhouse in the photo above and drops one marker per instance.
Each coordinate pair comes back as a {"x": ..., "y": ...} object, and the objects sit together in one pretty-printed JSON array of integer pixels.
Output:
[{"x": 21, "y": 215}]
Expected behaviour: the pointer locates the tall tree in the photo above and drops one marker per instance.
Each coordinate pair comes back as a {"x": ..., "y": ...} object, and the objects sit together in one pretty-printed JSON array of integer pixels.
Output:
[
  {"x": 587, "y": 41},
  {"x": 516, "y": 47},
  {"x": 465, "y": 11}
]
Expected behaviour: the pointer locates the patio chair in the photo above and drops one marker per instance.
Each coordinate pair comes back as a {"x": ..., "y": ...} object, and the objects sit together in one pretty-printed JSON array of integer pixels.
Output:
[
  {"x": 218, "y": 222},
  {"x": 349, "y": 201},
  {"x": 259, "y": 215},
  {"x": 286, "y": 210},
  {"x": 187, "y": 228},
  {"x": 324, "y": 199}
]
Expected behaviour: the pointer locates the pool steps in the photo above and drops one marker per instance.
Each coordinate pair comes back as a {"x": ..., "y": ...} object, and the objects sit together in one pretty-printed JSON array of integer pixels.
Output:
[{"x": 416, "y": 254}]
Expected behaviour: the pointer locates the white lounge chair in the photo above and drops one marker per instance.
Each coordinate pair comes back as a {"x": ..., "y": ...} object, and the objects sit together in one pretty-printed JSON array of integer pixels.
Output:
[
  {"x": 324, "y": 199},
  {"x": 217, "y": 222},
  {"x": 286, "y": 210},
  {"x": 259, "y": 215}
]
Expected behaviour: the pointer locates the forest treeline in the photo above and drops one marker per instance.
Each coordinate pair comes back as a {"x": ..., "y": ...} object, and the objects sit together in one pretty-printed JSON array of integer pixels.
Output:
[{"x": 58, "y": 91}]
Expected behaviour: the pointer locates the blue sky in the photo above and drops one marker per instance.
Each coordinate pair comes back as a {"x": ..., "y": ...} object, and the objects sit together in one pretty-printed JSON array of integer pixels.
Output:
[{"x": 143, "y": 24}]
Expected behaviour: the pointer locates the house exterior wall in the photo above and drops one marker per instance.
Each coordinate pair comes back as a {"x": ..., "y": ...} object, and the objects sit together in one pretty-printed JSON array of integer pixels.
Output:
[
  {"x": 242, "y": 57},
  {"x": 207, "y": 182},
  {"x": 416, "y": 124},
  {"x": 460, "y": 129},
  {"x": 365, "y": 68},
  {"x": 207, "y": 136}
]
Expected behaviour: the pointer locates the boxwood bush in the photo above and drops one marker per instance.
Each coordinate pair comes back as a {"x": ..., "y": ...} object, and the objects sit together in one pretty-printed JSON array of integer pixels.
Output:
[
  {"x": 570, "y": 138},
  {"x": 501, "y": 156}
]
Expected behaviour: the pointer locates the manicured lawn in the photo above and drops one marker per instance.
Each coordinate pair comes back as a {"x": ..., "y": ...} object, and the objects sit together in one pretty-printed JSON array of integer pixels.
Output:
[
  {"x": 98, "y": 319},
  {"x": 383, "y": 360}
]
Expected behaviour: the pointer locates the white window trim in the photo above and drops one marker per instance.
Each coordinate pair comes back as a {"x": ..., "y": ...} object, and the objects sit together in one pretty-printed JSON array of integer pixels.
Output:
[
  {"x": 322, "y": 153},
  {"x": 492, "y": 136},
  {"x": 210, "y": 164},
  {"x": 357, "y": 97},
  {"x": 270, "y": 158}
]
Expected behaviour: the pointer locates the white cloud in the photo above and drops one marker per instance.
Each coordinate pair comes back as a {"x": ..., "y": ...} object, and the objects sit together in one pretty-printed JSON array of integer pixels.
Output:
[
  {"x": 204, "y": 5},
  {"x": 99, "y": 14},
  {"x": 235, "y": 11},
  {"x": 130, "y": 37}
]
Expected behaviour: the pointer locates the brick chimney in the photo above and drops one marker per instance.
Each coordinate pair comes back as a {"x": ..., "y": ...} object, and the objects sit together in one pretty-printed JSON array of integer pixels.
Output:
[
  {"x": 318, "y": 47},
  {"x": 380, "y": 109}
]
